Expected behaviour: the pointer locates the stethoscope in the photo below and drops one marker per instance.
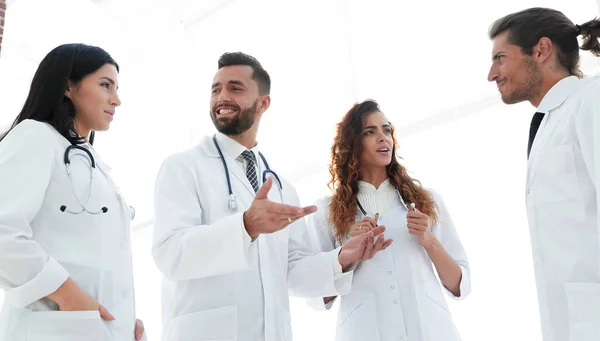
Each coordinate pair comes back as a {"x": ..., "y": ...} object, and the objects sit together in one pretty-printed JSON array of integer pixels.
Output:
[
  {"x": 232, "y": 199},
  {"x": 84, "y": 208}
]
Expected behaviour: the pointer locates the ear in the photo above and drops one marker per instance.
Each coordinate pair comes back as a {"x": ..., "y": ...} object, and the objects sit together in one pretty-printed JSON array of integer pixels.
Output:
[
  {"x": 69, "y": 89},
  {"x": 543, "y": 50},
  {"x": 265, "y": 102}
]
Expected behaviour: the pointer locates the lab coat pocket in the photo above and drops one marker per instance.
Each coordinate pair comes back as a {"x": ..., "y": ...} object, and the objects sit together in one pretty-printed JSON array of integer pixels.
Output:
[
  {"x": 66, "y": 326},
  {"x": 555, "y": 174},
  {"x": 584, "y": 311},
  {"x": 217, "y": 324},
  {"x": 357, "y": 318},
  {"x": 436, "y": 319}
]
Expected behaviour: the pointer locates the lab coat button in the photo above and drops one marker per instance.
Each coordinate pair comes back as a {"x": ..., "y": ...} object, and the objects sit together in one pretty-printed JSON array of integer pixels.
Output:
[
  {"x": 395, "y": 302},
  {"x": 389, "y": 272},
  {"x": 392, "y": 287}
]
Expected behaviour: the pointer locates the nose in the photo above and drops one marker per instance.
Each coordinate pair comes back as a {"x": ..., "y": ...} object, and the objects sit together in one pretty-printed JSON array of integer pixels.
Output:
[
  {"x": 382, "y": 137},
  {"x": 223, "y": 97},
  {"x": 115, "y": 100},
  {"x": 493, "y": 74}
]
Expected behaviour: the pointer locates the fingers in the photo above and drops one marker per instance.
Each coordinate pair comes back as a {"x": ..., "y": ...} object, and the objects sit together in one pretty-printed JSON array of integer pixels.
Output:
[
  {"x": 105, "y": 314},
  {"x": 368, "y": 221},
  {"x": 284, "y": 209},
  {"x": 368, "y": 250},
  {"x": 139, "y": 330},
  {"x": 387, "y": 243},
  {"x": 416, "y": 215},
  {"x": 263, "y": 191},
  {"x": 377, "y": 246},
  {"x": 378, "y": 230}
]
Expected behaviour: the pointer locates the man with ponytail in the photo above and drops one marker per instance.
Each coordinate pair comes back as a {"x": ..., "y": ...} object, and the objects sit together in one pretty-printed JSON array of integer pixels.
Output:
[{"x": 535, "y": 58}]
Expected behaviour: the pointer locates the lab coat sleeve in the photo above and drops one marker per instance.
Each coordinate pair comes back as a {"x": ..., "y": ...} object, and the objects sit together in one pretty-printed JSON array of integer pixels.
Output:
[
  {"x": 587, "y": 125},
  {"x": 311, "y": 271},
  {"x": 321, "y": 239},
  {"x": 183, "y": 247},
  {"x": 446, "y": 234},
  {"x": 27, "y": 272}
]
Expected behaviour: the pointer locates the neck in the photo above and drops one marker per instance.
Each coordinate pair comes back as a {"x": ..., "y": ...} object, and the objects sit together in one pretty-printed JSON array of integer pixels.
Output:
[
  {"x": 547, "y": 83},
  {"x": 374, "y": 176},
  {"x": 247, "y": 138},
  {"x": 82, "y": 130}
]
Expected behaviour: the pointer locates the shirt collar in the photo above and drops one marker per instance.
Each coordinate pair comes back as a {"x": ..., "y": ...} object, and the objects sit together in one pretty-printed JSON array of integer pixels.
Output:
[
  {"x": 558, "y": 94},
  {"x": 232, "y": 148},
  {"x": 367, "y": 188}
]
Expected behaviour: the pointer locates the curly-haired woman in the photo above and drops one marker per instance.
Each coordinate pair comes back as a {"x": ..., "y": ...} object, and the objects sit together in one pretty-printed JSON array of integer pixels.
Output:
[{"x": 396, "y": 295}]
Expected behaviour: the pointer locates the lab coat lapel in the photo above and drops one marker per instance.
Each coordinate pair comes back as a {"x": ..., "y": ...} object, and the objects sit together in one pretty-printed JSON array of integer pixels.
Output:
[
  {"x": 239, "y": 174},
  {"x": 211, "y": 150}
]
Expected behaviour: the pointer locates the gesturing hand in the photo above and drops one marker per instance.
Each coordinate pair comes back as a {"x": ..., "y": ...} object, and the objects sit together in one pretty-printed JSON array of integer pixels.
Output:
[
  {"x": 363, "y": 247},
  {"x": 265, "y": 216},
  {"x": 364, "y": 225}
]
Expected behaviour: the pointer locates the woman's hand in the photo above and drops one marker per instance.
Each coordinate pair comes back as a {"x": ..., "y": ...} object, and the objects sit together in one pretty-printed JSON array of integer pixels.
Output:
[
  {"x": 70, "y": 297},
  {"x": 418, "y": 225},
  {"x": 366, "y": 224},
  {"x": 139, "y": 330}
]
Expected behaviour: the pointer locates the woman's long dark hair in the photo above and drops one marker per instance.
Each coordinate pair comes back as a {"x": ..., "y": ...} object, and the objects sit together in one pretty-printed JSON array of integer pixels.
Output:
[
  {"x": 344, "y": 170},
  {"x": 46, "y": 101}
]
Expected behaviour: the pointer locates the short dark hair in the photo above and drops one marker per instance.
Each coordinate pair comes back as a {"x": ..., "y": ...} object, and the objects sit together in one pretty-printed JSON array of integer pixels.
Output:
[
  {"x": 46, "y": 101},
  {"x": 525, "y": 28},
  {"x": 259, "y": 74}
]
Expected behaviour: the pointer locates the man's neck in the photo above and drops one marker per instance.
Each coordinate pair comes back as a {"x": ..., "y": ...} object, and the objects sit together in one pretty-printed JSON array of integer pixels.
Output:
[
  {"x": 246, "y": 139},
  {"x": 547, "y": 83}
]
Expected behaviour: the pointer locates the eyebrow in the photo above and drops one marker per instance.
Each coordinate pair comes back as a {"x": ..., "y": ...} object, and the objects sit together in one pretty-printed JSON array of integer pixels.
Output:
[
  {"x": 110, "y": 80},
  {"x": 234, "y": 82},
  {"x": 375, "y": 127}
]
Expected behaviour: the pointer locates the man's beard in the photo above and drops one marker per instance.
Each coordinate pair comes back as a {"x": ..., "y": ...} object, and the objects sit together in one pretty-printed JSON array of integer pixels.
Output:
[
  {"x": 529, "y": 88},
  {"x": 239, "y": 124}
]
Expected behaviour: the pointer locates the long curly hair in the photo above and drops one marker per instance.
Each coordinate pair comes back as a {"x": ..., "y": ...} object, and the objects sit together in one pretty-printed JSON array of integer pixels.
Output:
[{"x": 345, "y": 165}]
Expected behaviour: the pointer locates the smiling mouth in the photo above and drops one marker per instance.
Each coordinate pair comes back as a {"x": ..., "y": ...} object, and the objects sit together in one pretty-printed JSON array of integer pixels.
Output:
[
  {"x": 226, "y": 111},
  {"x": 383, "y": 150}
]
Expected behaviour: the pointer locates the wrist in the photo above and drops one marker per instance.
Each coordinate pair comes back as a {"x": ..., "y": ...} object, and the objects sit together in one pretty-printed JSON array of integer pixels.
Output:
[
  {"x": 253, "y": 235},
  {"x": 343, "y": 262},
  {"x": 430, "y": 244},
  {"x": 64, "y": 293}
]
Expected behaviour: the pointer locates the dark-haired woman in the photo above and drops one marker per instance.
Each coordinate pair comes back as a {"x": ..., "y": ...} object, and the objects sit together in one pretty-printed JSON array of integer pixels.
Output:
[
  {"x": 396, "y": 294},
  {"x": 65, "y": 256}
]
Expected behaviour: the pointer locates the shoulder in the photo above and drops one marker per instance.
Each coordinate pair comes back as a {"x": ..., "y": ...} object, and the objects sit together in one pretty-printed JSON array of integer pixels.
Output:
[
  {"x": 31, "y": 128},
  {"x": 589, "y": 90},
  {"x": 32, "y": 135},
  {"x": 437, "y": 197}
]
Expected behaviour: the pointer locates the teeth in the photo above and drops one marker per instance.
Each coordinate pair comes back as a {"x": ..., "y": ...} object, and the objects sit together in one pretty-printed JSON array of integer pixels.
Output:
[{"x": 225, "y": 111}]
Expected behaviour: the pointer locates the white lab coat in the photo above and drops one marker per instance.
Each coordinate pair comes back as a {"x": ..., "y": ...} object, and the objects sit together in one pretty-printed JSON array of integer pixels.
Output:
[
  {"x": 562, "y": 208},
  {"x": 199, "y": 247},
  {"x": 40, "y": 246},
  {"x": 396, "y": 295}
]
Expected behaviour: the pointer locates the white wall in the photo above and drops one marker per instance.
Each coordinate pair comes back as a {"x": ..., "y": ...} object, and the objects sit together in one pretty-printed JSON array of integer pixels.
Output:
[{"x": 417, "y": 60}]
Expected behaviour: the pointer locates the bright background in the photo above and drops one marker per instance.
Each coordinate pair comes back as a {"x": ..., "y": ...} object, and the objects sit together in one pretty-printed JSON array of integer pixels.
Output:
[{"x": 426, "y": 64}]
